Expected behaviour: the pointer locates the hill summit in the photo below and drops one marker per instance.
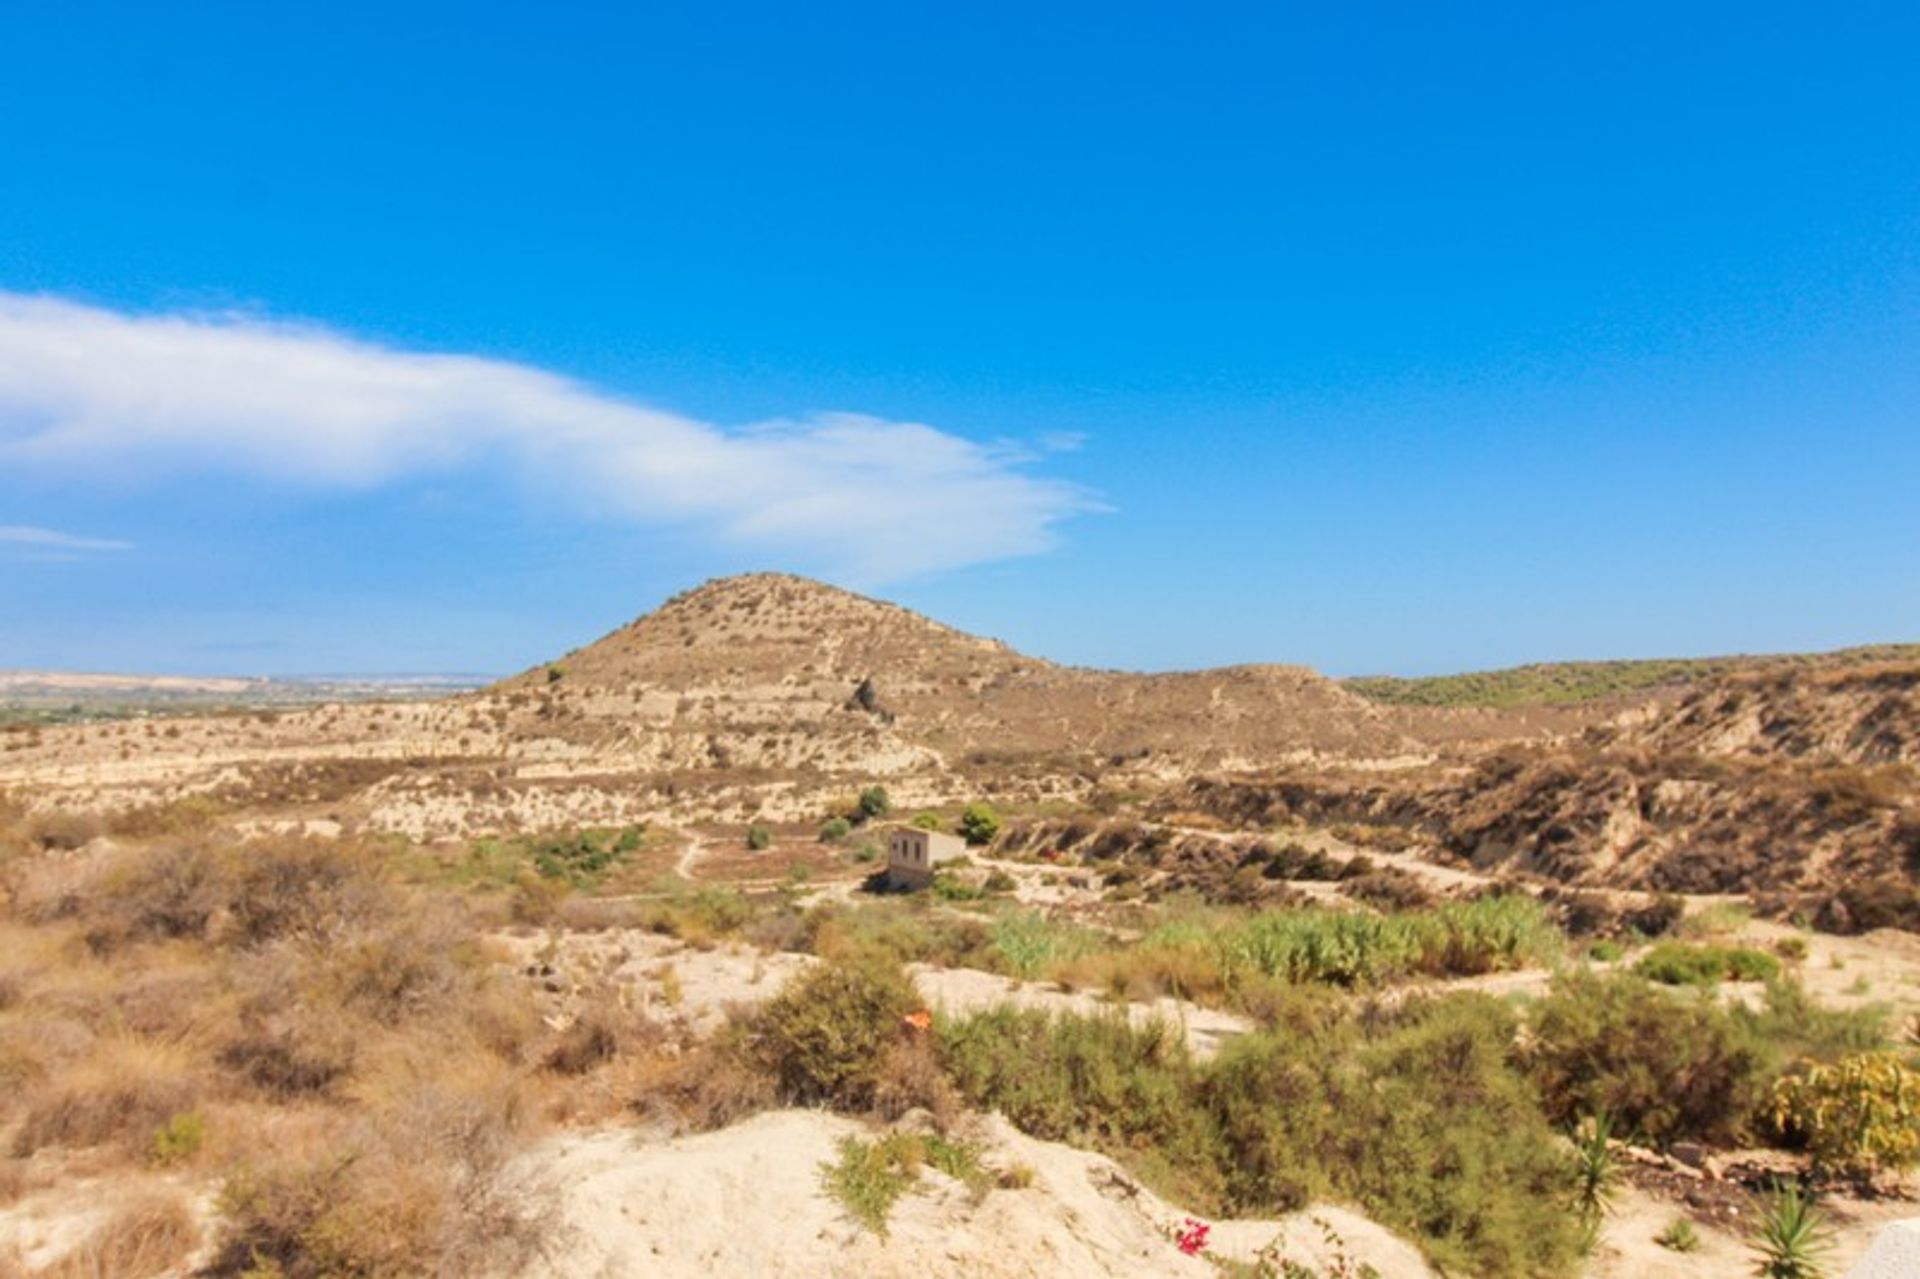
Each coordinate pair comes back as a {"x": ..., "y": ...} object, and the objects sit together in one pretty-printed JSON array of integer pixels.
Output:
[{"x": 770, "y": 671}]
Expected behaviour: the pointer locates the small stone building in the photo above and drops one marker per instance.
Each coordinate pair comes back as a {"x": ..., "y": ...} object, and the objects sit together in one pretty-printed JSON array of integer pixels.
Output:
[{"x": 913, "y": 855}]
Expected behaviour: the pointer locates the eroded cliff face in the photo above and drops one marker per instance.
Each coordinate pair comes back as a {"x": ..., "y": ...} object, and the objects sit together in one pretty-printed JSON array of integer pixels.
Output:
[{"x": 1796, "y": 784}]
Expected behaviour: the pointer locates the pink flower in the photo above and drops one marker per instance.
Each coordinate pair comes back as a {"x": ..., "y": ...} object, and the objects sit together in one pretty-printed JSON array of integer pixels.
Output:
[{"x": 1191, "y": 1238}]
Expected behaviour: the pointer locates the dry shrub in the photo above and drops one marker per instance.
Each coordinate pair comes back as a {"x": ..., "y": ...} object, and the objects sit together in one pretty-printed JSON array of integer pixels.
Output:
[
  {"x": 306, "y": 889},
  {"x": 150, "y": 1235},
  {"x": 52, "y": 887},
  {"x": 405, "y": 968},
  {"x": 703, "y": 1089},
  {"x": 422, "y": 1186},
  {"x": 64, "y": 831},
  {"x": 174, "y": 889},
  {"x": 288, "y": 1056},
  {"x": 604, "y": 1029},
  {"x": 14, "y": 1180},
  {"x": 190, "y": 814},
  {"x": 912, "y": 1079},
  {"x": 503, "y": 1018},
  {"x": 120, "y": 1095}
]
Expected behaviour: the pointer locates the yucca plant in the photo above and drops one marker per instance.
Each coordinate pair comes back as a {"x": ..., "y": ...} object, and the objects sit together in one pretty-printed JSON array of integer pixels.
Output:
[
  {"x": 1792, "y": 1238},
  {"x": 1595, "y": 1166}
]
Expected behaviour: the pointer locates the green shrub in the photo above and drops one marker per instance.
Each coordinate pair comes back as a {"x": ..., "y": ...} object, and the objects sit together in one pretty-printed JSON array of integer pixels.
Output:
[
  {"x": 1675, "y": 963},
  {"x": 1344, "y": 948},
  {"x": 1422, "y": 1121},
  {"x": 927, "y": 821},
  {"x": 870, "y": 1176},
  {"x": 1100, "y": 1082},
  {"x": 1857, "y": 1116},
  {"x": 580, "y": 859},
  {"x": 979, "y": 824},
  {"x": 1605, "y": 952},
  {"x": 1026, "y": 943},
  {"x": 835, "y": 829},
  {"x": 1416, "y": 1115},
  {"x": 1796, "y": 1029},
  {"x": 1664, "y": 1068},
  {"x": 1679, "y": 1236},
  {"x": 825, "y": 1037},
  {"x": 179, "y": 1139},
  {"x": 759, "y": 838},
  {"x": 1489, "y": 934},
  {"x": 893, "y": 932},
  {"x": 873, "y": 803},
  {"x": 868, "y": 1179},
  {"x": 949, "y": 887}
]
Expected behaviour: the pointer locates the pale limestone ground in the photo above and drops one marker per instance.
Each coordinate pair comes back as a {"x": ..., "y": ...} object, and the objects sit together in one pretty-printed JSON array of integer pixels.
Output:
[{"x": 750, "y": 1200}]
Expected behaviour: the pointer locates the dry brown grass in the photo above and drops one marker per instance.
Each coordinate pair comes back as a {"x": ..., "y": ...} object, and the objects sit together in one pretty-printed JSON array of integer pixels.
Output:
[
  {"x": 357, "y": 1073},
  {"x": 150, "y": 1235},
  {"x": 119, "y": 1095},
  {"x": 418, "y": 1182}
]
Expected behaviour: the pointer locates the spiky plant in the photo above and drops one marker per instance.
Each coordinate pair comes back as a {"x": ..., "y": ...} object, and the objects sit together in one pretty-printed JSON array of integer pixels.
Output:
[
  {"x": 1792, "y": 1238},
  {"x": 1595, "y": 1166}
]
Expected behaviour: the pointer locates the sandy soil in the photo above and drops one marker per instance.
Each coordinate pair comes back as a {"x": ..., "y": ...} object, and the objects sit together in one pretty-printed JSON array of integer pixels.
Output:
[{"x": 750, "y": 1200}]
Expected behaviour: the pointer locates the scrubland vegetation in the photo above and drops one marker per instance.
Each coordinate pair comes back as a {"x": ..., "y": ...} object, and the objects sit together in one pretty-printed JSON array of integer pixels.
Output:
[
  {"x": 328, "y": 1035},
  {"x": 1561, "y": 683}
]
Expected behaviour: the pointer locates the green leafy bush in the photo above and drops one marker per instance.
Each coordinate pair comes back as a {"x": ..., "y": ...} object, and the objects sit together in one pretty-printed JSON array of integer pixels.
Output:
[
  {"x": 1417, "y": 1115},
  {"x": 1421, "y": 1120},
  {"x": 1674, "y": 963},
  {"x": 873, "y": 803},
  {"x": 1664, "y": 1068},
  {"x": 979, "y": 824},
  {"x": 868, "y": 1179},
  {"x": 759, "y": 838},
  {"x": 835, "y": 829},
  {"x": 825, "y": 1037}
]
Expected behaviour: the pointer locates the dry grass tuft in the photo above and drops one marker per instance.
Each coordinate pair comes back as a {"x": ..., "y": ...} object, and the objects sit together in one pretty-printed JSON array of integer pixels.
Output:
[
  {"x": 119, "y": 1095},
  {"x": 151, "y": 1235}
]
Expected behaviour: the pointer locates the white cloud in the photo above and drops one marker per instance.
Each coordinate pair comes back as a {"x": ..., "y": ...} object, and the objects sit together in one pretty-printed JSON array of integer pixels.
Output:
[
  {"x": 51, "y": 542},
  {"x": 89, "y": 392}
]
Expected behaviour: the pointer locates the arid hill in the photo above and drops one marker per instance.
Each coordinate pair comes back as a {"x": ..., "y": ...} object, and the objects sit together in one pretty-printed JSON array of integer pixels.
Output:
[
  {"x": 1796, "y": 783},
  {"x": 768, "y": 694}
]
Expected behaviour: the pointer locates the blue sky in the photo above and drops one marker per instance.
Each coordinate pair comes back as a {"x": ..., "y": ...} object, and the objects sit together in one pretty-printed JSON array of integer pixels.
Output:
[{"x": 1379, "y": 338}]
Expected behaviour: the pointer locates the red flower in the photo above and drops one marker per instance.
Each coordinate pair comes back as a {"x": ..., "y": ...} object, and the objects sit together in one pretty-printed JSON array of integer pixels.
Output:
[{"x": 1192, "y": 1237}]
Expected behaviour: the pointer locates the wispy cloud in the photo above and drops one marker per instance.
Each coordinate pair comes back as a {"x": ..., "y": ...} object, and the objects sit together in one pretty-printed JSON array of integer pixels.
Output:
[
  {"x": 86, "y": 391},
  {"x": 52, "y": 544}
]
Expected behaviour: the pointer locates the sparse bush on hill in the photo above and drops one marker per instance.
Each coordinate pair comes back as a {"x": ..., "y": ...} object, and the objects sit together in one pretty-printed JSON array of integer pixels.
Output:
[
  {"x": 759, "y": 838},
  {"x": 979, "y": 824},
  {"x": 1664, "y": 1067},
  {"x": 835, "y": 829},
  {"x": 873, "y": 803}
]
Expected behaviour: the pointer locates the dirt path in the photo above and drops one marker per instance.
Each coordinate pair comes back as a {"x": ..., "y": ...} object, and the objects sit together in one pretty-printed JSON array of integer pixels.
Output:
[{"x": 690, "y": 855}]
